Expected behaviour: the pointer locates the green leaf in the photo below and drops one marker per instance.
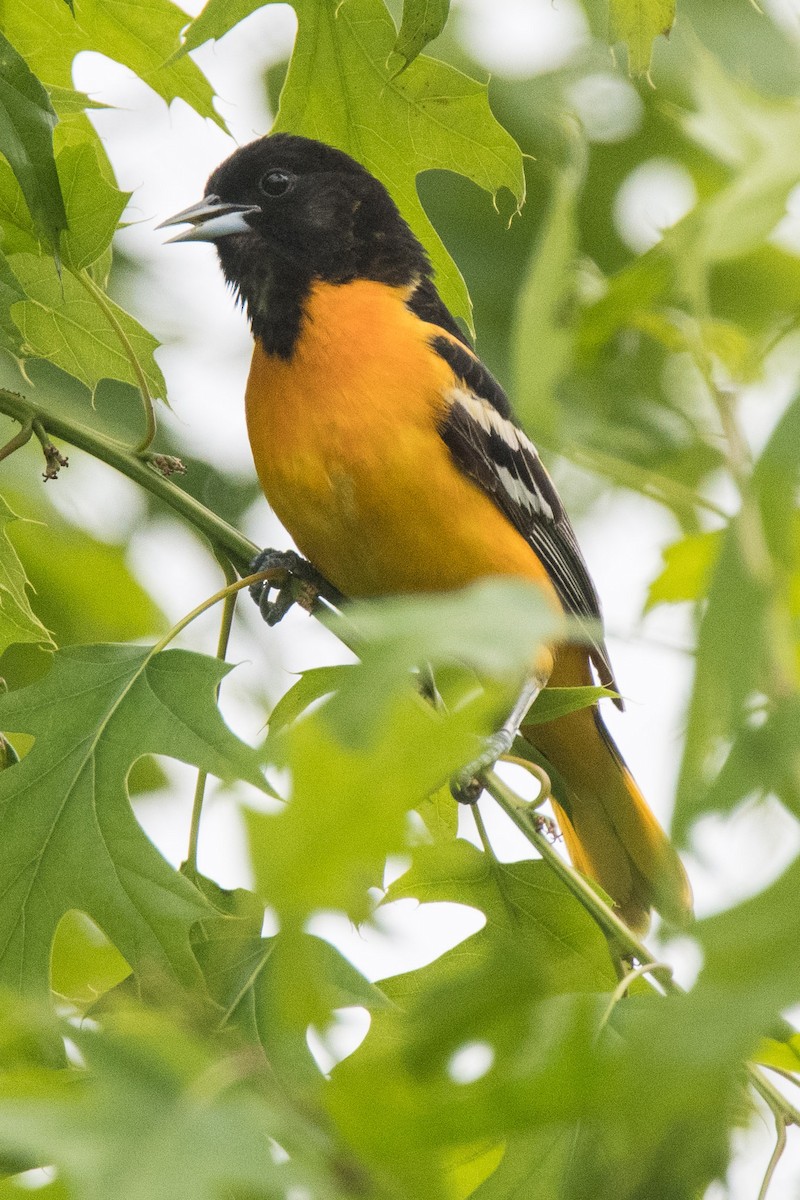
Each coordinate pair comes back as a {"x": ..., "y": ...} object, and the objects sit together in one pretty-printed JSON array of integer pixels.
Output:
[
  {"x": 758, "y": 141},
  {"x": 469, "y": 1167},
  {"x": 553, "y": 703},
  {"x": 61, "y": 321},
  {"x": 527, "y": 910},
  {"x": 340, "y": 89},
  {"x": 216, "y": 19},
  {"x": 10, "y": 293},
  {"x": 8, "y": 755},
  {"x": 272, "y": 989},
  {"x": 730, "y": 654},
  {"x": 18, "y": 231},
  {"x": 423, "y": 20},
  {"x": 439, "y": 813},
  {"x": 625, "y": 297},
  {"x": 546, "y": 310},
  {"x": 18, "y": 622},
  {"x": 84, "y": 964},
  {"x": 761, "y": 760},
  {"x": 687, "y": 571},
  {"x": 49, "y": 37},
  {"x": 67, "y": 102},
  {"x": 70, "y": 840},
  {"x": 749, "y": 952},
  {"x": 748, "y": 603},
  {"x": 533, "y": 1164},
  {"x": 102, "y": 600},
  {"x": 348, "y": 804},
  {"x": 94, "y": 206},
  {"x": 313, "y": 685},
  {"x": 27, "y": 120},
  {"x": 494, "y": 627},
  {"x": 775, "y": 481},
  {"x": 638, "y": 23},
  {"x": 158, "y": 1113},
  {"x": 784, "y": 1055}
]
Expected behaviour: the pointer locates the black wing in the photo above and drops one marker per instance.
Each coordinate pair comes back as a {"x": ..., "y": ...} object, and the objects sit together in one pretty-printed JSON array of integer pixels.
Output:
[{"x": 479, "y": 429}]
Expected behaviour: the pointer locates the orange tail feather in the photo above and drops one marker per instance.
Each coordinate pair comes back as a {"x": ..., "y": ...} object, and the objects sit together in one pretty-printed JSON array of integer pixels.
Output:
[{"x": 609, "y": 831}]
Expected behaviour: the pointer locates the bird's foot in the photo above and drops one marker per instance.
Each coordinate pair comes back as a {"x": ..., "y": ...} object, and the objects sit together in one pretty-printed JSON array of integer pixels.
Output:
[
  {"x": 466, "y": 786},
  {"x": 295, "y": 568}
]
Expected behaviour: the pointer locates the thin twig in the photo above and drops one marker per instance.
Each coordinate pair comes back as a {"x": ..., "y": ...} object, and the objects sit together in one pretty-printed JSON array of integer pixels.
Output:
[
  {"x": 780, "y": 1146},
  {"x": 622, "y": 987},
  {"x": 539, "y": 774},
  {"x": 228, "y": 608},
  {"x": 483, "y": 835},
  {"x": 18, "y": 440},
  {"x": 789, "y": 1076}
]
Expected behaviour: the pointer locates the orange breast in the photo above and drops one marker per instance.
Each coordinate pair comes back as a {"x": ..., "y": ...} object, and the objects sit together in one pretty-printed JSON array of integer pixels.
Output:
[{"x": 346, "y": 447}]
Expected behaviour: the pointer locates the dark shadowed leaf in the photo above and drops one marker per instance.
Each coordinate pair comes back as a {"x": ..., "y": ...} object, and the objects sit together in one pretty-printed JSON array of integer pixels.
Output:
[{"x": 27, "y": 121}]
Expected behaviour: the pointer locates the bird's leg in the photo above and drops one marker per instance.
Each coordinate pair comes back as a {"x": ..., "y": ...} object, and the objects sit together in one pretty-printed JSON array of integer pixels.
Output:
[
  {"x": 295, "y": 568},
  {"x": 467, "y": 785}
]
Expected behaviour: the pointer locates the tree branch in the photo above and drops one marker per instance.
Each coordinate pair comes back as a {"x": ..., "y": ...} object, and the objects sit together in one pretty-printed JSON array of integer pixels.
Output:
[{"x": 238, "y": 548}]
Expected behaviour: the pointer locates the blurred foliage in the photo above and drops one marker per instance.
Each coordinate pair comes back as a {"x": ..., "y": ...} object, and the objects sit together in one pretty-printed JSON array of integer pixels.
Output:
[{"x": 636, "y": 353}]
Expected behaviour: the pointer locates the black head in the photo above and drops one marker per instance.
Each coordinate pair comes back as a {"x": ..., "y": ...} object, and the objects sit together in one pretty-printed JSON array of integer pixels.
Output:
[{"x": 285, "y": 211}]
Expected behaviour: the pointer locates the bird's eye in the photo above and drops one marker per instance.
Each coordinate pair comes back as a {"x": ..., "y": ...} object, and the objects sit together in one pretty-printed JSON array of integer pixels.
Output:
[{"x": 276, "y": 183}]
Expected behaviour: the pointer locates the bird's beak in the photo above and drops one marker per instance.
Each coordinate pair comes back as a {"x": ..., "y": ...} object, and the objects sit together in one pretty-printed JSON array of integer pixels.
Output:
[{"x": 211, "y": 219}]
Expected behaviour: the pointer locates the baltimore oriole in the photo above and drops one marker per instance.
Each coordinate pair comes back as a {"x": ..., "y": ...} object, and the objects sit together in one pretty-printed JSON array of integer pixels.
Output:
[{"x": 393, "y": 458}]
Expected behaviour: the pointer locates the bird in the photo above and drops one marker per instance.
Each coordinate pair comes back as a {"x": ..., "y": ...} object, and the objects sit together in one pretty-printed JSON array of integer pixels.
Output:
[{"x": 394, "y": 459}]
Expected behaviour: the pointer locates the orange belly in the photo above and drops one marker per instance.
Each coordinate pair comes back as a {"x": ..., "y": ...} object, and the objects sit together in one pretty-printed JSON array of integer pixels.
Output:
[{"x": 346, "y": 448}]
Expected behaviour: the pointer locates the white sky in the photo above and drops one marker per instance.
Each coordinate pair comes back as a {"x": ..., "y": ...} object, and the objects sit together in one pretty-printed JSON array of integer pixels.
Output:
[{"x": 164, "y": 157}]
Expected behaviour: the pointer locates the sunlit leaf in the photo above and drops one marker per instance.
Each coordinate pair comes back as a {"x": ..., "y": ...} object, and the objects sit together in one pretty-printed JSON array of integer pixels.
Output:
[
  {"x": 61, "y": 321},
  {"x": 348, "y": 804},
  {"x": 18, "y": 622},
  {"x": 638, "y": 23},
  {"x": 10, "y": 293},
  {"x": 687, "y": 570},
  {"x": 313, "y": 685},
  {"x": 48, "y": 35},
  {"x": 94, "y": 207},
  {"x": 439, "y": 813},
  {"x": 19, "y": 232},
  {"x": 84, "y": 964}
]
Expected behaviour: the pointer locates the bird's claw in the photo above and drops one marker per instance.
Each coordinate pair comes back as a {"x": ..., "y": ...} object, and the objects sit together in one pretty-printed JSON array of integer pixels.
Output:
[
  {"x": 296, "y": 568},
  {"x": 467, "y": 785}
]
